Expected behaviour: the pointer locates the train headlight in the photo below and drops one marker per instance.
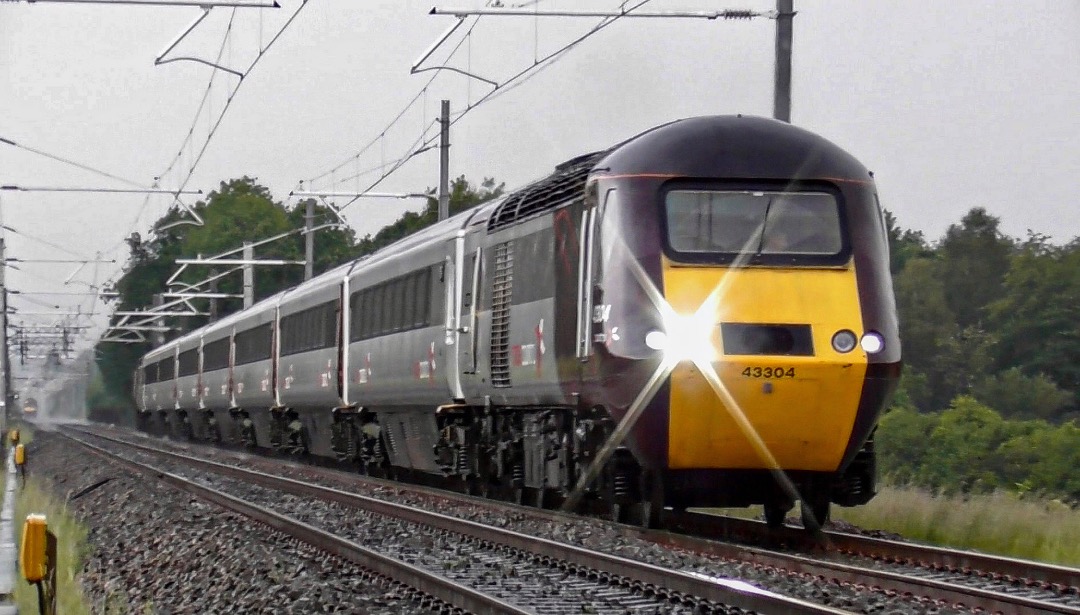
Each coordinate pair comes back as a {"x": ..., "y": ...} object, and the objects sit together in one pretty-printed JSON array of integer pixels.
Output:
[
  {"x": 872, "y": 342},
  {"x": 685, "y": 338},
  {"x": 657, "y": 340},
  {"x": 844, "y": 341}
]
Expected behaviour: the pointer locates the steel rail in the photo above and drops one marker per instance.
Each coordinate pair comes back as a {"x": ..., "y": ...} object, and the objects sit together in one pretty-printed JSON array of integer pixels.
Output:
[
  {"x": 932, "y": 589},
  {"x": 678, "y": 584},
  {"x": 715, "y": 526},
  {"x": 698, "y": 531},
  {"x": 449, "y": 592}
]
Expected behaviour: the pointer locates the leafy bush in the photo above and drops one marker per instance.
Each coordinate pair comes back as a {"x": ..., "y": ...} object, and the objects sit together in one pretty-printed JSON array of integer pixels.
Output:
[{"x": 970, "y": 448}]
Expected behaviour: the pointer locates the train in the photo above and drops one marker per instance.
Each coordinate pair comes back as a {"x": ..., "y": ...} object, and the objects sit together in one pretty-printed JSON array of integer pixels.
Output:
[{"x": 699, "y": 316}]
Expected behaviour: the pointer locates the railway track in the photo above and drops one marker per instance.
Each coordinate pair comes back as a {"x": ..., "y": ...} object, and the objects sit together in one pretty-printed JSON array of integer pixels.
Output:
[
  {"x": 1036, "y": 581},
  {"x": 544, "y": 575},
  {"x": 936, "y": 577}
]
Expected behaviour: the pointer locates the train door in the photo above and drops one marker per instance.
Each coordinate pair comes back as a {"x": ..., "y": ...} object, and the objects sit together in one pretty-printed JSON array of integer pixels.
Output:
[
  {"x": 452, "y": 270},
  {"x": 343, "y": 335},
  {"x": 473, "y": 371},
  {"x": 586, "y": 272}
]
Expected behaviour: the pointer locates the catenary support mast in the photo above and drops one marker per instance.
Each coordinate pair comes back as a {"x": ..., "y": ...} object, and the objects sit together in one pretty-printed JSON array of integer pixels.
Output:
[{"x": 785, "y": 15}]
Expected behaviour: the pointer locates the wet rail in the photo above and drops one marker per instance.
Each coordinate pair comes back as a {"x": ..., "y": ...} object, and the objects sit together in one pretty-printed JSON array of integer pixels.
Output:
[
  {"x": 458, "y": 597},
  {"x": 697, "y": 592},
  {"x": 1040, "y": 586},
  {"x": 932, "y": 575}
]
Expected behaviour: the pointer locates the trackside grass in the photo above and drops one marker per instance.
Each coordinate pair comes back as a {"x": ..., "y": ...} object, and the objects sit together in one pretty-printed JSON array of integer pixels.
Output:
[
  {"x": 1000, "y": 523},
  {"x": 71, "y": 550}
]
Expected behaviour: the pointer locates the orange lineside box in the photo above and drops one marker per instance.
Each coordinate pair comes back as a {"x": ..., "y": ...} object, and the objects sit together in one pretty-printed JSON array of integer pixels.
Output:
[
  {"x": 20, "y": 454},
  {"x": 32, "y": 551}
]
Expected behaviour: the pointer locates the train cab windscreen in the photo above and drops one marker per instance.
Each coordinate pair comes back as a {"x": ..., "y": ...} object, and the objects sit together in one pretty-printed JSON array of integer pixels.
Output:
[{"x": 760, "y": 227}]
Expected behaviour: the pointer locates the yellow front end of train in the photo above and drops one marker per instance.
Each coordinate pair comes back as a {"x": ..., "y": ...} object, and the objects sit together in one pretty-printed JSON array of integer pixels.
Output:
[{"x": 789, "y": 405}]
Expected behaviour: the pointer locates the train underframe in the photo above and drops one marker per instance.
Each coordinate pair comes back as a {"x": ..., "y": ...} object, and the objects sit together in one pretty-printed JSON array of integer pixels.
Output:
[{"x": 536, "y": 456}]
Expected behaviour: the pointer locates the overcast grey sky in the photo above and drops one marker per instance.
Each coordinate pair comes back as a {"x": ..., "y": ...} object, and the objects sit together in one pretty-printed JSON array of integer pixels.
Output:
[{"x": 953, "y": 105}]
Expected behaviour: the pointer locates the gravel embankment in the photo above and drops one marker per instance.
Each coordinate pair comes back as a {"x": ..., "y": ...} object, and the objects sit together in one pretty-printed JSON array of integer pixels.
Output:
[
  {"x": 583, "y": 532},
  {"x": 156, "y": 550}
]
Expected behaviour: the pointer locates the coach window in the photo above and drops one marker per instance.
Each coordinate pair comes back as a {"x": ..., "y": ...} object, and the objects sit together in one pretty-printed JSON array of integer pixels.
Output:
[
  {"x": 408, "y": 313},
  {"x": 216, "y": 355},
  {"x": 401, "y": 294},
  {"x": 423, "y": 298},
  {"x": 189, "y": 362},
  {"x": 354, "y": 316},
  {"x": 330, "y": 328},
  {"x": 367, "y": 313},
  {"x": 167, "y": 369},
  {"x": 393, "y": 292},
  {"x": 254, "y": 345},
  {"x": 386, "y": 301}
]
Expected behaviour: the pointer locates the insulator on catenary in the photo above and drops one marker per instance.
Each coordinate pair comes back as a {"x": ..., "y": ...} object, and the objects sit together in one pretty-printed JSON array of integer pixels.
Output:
[{"x": 738, "y": 14}]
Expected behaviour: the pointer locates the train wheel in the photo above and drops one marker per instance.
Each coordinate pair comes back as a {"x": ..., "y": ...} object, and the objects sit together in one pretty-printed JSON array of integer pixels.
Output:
[{"x": 775, "y": 513}]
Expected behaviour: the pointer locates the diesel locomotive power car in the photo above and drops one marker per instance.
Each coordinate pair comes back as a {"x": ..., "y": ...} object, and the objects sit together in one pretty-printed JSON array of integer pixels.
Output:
[{"x": 700, "y": 316}]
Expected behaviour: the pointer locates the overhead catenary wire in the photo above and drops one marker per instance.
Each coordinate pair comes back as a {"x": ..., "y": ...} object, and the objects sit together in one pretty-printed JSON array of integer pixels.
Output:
[
  {"x": 73, "y": 163},
  {"x": 42, "y": 241},
  {"x": 203, "y": 101},
  {"x": 231, "y": 97},
  {"x": 506, "y": 86},
  {"x": 420, "y": 95}
]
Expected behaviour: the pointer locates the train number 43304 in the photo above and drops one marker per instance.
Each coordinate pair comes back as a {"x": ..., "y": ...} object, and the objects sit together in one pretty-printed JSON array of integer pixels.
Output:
[{"x": 769, "y": 372}]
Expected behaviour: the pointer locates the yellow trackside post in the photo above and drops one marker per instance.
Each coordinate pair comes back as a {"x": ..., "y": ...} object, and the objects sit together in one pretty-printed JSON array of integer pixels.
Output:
[
  {"x": 20, "y": 462},
  {"x": 37, "y": 560},
  {"x": 13, "y": 435},
  {"x": 32, "y": 556}
]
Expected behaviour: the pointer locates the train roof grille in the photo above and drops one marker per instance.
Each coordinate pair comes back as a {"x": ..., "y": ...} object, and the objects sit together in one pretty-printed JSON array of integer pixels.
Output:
[{"x": 566, "y": 183}]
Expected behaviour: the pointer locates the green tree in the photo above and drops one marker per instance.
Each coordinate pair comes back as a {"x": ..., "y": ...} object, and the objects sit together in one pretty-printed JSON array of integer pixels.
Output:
[
  {"x": 334, "y": 245},
  {"x": 974, "y": 258},
  {"x": 904, "y": 244},
  {"x": 239, "y": 210},
  {"x": 1020, "y": 453},
  {"x": 1038, "y": 314},
  {"x": 926, "y": 321},
  {"x": 1017, "y": 396},
  {"x": 961, "y": 447},
  {"x": 902, "y": 440},
  {"x": 463, "y": 196},
  {"x": 242, "y": 210},
  {"x": 1055, "y": 471}
]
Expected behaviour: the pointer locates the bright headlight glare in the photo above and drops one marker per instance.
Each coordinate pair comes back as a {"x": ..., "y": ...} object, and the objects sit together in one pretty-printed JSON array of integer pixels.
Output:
[
  {"x": 657, "y": 340},
  {"x": 872, "y": 342},
  {"x": 844, "y": 341},
  {"x": 688, "y": 338}
]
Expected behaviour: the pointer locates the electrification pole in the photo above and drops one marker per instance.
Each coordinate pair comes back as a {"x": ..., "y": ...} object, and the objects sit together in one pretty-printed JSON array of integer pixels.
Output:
[
  {"x": 785, "y": 15},
  {"x": 309, "y": 240},
  {"x": 159, "y": 335},
  {"x": 5, "y": 364},
  {"x": 249, "y": 275},
  {"x": 444, "y": 162}
]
